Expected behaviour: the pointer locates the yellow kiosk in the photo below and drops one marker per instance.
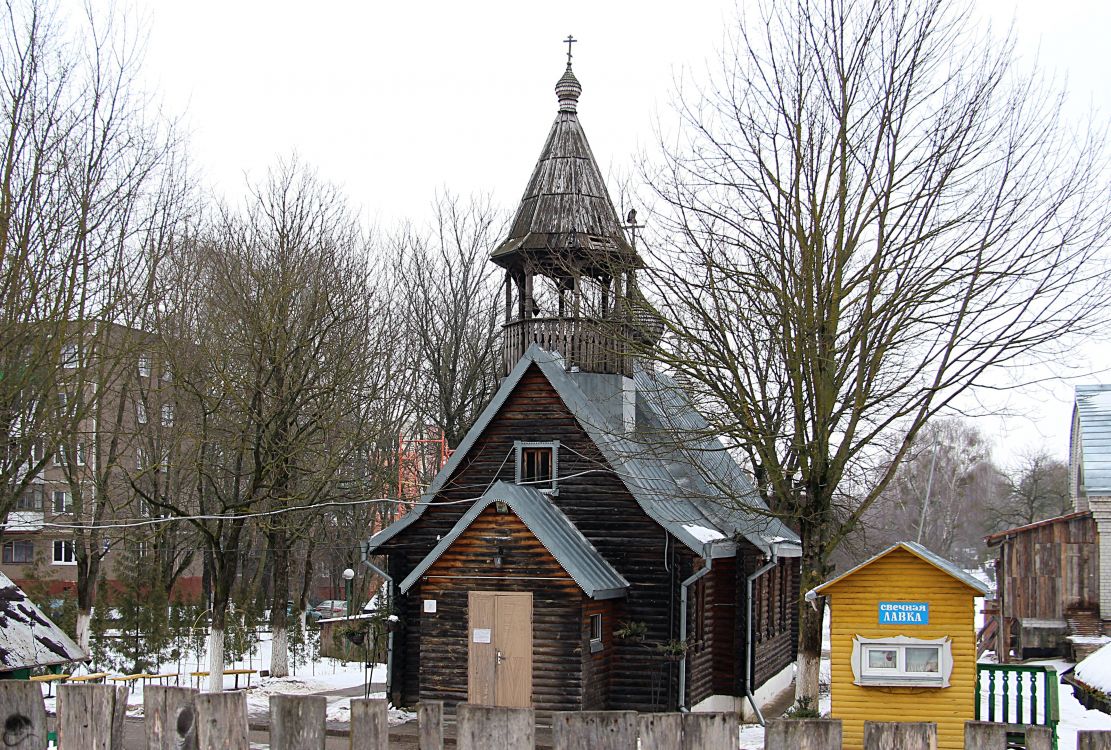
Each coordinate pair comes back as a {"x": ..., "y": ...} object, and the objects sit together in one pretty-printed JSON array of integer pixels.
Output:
[{"x": 903, "y": 643}]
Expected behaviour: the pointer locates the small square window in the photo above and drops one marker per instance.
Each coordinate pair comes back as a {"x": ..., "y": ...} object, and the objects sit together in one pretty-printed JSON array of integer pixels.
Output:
[
  {"x": 63, "y": 502},
  {"x": 63, "y": 552},
  {"x": 19, "y": 553},
  {"x": 537, "y": 465}
]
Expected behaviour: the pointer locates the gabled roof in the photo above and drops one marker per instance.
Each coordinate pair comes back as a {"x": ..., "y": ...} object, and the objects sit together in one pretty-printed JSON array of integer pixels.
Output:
[
  {"x": 998, "y": 537},
  {"x": 566, "y": 204},
  {"x": 939, "y": 562},
  {"x": 28, "y": 638},
  {"x": 660, "y": 479},
  {"x": 568, "y": 546},
  {"x": 1093, "y": 417}
]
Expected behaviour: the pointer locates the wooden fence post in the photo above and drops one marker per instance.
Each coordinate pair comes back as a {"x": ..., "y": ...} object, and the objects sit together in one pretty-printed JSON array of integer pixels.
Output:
[
  {"x": 481, "y": 727},
  {"x": 898, "y": 735},
  {"x": 297, "y": 722},
  {"x": 710, "y": 731},
  {"x": 1039, "y": 738},
  {"x": 1090, "y": 739},
  {"x": 370, "y": 724},
  {"x": 594, "y": 730},
  {"x": 91, "y": 716},
  {"x": 984, "y": 735},
  {"x": 222, "y": 720},
  {"x": 171, "y": 718},
  {"x": 430, "y": 714},
  {"x": 803, "y": 734},
  {"x": 660, "y": 731},
  {"x": 22, "y": 714}
]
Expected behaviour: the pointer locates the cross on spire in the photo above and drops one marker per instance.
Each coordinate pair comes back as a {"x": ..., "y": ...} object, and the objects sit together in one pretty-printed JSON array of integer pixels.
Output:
[{"x": 570, "y": 40}]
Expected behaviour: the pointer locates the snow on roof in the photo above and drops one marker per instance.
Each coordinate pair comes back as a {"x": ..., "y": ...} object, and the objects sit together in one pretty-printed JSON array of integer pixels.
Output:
[
  {"x": 1095, "y": 670},
  {"x": 28, "y": 638},
  {"x": 1093, "y": 411},
  {"x": 703, "y": 534}
]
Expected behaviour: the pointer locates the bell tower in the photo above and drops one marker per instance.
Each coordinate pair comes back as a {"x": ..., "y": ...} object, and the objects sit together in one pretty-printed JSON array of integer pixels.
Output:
[{"x": 570, "y": 272}]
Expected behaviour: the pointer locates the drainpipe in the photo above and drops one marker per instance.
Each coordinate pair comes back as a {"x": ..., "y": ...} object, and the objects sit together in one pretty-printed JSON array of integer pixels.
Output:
[
  {"x": 684, "y": 588},
  {"x": 389, "y": 630},
  {"x": 772, "y": 559}
]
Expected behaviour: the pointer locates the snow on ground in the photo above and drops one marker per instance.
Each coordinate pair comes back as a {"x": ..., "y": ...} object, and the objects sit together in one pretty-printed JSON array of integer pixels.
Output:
[{"x": 340, "y": 710}]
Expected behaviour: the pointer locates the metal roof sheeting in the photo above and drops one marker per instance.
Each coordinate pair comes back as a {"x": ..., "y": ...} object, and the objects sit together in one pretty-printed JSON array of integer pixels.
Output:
[
  {"x": 28, "y": 638},
  {"x": 568, "y": 546},
  {"x": 687, "y": 496},
  {"x": 1093, "y": 411},
  {"x": 919, "y": 551}
]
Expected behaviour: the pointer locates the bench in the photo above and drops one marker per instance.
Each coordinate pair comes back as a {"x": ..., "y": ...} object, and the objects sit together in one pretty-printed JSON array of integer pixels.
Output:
[
  {"x": 163, "y": 679},
  {"x": 198, "y": 676},
  {"x": 49, "y": 680},
  {"x": 129, "y": 678},
  {"x": 94, "y": 678}
]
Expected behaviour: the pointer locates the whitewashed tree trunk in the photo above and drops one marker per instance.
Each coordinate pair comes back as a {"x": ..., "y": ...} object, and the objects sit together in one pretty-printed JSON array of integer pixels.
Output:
[
  {"x": 84, "y": 617},
  {"x": 215, "y": 660},
  {"x": 806, "y": 679},
  {"x": 279, "y": 653}
]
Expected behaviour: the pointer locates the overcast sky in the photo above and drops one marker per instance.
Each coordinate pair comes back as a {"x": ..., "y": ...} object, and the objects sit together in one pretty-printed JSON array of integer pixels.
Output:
[{"x": 397, "y": 100}]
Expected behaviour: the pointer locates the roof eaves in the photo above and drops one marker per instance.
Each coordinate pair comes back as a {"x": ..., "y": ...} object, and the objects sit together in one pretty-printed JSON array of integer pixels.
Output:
[{"x": 921, "y": 553}]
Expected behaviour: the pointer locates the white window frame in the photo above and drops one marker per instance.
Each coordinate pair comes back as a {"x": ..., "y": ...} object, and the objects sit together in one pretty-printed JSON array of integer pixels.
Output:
[
  {"x": 140, "y": 412},
  {"x": 518, "y": 450},
  {"x": 144, "y": 366},
  {"x": 67, "y": 501},
  {"x": 596, "y": 644},
  {"x": 900, "y": 677},
  {"x": 61, "y": 545},
  {"x": 71, "y": 356}
]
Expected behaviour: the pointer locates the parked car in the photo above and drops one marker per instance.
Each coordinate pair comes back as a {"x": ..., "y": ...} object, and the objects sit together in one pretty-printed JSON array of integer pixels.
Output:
[{"x": 328, "y": 608}]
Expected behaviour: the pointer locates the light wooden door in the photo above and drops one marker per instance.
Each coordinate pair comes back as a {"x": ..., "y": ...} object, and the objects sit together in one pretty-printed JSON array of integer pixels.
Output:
[{"x": 499, "y": 669}]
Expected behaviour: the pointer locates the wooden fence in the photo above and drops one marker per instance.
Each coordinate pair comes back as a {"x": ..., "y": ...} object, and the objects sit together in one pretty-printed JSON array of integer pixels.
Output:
[{"x": 91, "y": 717}]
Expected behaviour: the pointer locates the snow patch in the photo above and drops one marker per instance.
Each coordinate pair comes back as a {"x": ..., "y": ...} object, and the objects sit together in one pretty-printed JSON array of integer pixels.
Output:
[{"x": 703, "y": 534}]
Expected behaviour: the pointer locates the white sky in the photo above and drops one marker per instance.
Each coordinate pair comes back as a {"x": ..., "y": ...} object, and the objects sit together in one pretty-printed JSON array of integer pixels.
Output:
[{"x": 396, "y": 100}]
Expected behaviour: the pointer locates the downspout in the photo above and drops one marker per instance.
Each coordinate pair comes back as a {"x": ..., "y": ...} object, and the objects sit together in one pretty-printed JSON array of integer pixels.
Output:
[
  {"x": 684, "y": 588},
  {"x": 771, "y": 563},
  {"x": 389, "y": 630}
]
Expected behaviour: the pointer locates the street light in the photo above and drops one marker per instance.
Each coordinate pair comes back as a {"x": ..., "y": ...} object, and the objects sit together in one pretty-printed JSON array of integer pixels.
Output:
[{"x": 348, "y": 574}]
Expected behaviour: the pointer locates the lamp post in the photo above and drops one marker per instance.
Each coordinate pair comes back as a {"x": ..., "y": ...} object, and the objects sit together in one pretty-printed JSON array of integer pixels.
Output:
[{"x": 348, "y": 574}]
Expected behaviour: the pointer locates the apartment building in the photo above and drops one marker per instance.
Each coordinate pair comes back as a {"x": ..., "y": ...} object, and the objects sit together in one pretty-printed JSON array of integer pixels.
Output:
[{"x": 110, "y": 444}]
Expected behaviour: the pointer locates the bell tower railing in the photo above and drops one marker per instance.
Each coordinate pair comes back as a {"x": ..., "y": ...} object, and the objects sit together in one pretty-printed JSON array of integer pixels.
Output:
[{"x": 591, "y": 345}]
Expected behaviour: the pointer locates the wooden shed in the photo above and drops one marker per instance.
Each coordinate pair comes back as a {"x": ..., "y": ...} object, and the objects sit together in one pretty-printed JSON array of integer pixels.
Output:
[
  {"x": 903, "y": 643},
  {"x": 1047, "y": 580}
]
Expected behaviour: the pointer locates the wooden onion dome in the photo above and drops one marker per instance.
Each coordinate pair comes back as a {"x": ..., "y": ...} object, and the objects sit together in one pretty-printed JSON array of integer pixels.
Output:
[{"x": 570, "y": 272}]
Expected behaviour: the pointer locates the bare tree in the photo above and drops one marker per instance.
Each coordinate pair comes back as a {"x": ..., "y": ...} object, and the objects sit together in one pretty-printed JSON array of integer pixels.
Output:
[
  {"x": 449, "y": 294},
  {"x": 1038, "y": 488},
  {"x": 868, "y": 212},
  {"x": 271, "y": 339},
  {"x": 941, "y": 496}
]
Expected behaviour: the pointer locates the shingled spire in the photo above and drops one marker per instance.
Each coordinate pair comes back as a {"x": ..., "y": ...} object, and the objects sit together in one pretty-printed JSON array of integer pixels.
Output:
[{"x": 569, "y": 267}]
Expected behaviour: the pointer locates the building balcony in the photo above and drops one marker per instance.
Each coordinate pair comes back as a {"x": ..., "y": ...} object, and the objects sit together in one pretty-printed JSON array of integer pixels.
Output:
[
  {"x": 588, "y": 344},
  {"x": 24, "y": 520}
]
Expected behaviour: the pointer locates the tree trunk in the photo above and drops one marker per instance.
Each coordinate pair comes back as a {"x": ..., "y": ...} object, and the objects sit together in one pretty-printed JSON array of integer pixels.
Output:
[
  {"x": 279, "y": 620},
  {"x": 811, "y": 615},
  {"x": 215, "y": 658},
  {"x": 84, "y": 617}
]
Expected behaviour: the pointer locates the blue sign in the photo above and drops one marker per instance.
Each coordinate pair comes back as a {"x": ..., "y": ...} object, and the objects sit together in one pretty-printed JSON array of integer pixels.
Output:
[{"x": 904, "y": 613}]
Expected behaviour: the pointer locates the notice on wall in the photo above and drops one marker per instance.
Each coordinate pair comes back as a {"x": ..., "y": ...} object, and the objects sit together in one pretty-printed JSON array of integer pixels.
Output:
[
  {"x": 904, "y": 613},
  {"x": 481, "y": 635},
  {"x": 429, "y": 605}
]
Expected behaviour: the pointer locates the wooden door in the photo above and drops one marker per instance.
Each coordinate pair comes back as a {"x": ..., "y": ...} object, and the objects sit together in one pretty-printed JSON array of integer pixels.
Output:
[{"x": 499, "y": 669}]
